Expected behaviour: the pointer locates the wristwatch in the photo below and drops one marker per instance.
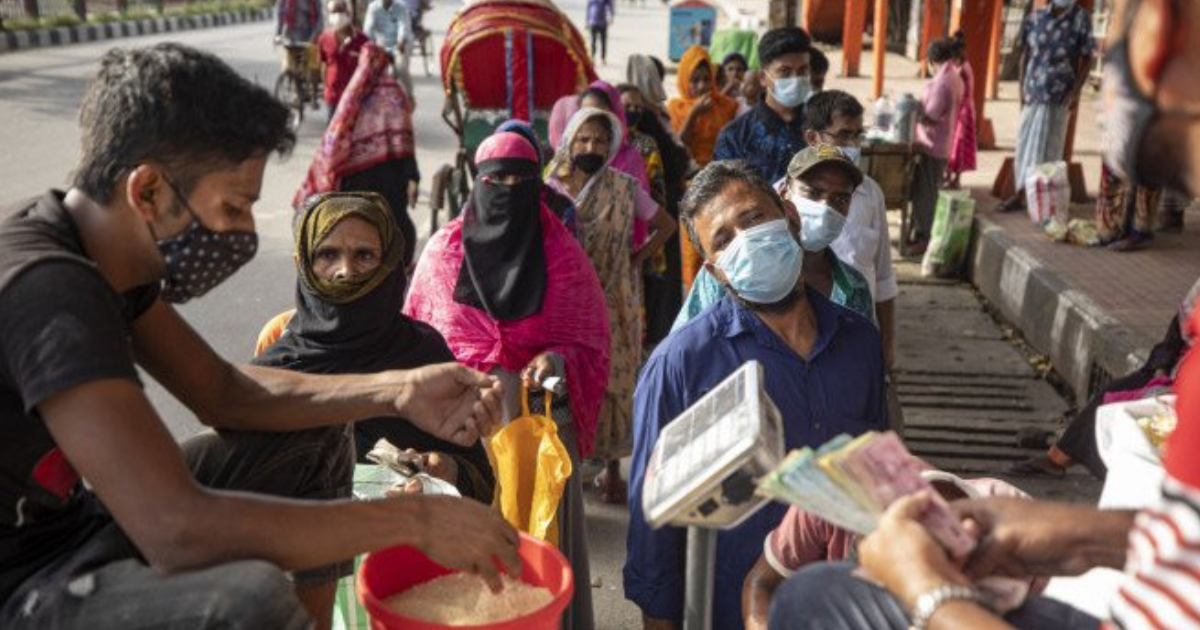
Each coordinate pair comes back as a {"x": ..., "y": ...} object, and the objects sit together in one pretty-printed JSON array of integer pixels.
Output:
[{"x": 930, "y": 601}]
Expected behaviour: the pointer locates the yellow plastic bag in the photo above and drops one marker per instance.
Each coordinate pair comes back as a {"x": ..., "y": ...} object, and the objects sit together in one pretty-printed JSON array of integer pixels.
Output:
[{"x": 532, "y": 467}]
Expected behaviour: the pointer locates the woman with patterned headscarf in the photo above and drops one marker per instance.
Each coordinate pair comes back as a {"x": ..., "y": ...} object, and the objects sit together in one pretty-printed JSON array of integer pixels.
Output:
[
  {"x": 369, "y": 145},
  {"x": 347, "y": 321},
  {"x": 606, "y": 203},
  {"x": 514, "y": 295}
]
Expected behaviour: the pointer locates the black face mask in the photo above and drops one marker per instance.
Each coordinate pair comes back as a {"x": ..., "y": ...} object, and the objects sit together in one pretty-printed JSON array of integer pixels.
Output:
[
  {"x": 199, "y": 258},
  {"x": 636, "y": 118},
  {"x": 504, "y": 264},
  {"x": 589, "y": 163}
]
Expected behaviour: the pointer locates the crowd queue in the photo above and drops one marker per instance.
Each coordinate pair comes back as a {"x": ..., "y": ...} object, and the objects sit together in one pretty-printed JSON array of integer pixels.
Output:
[{"x": 644, "y": 251}]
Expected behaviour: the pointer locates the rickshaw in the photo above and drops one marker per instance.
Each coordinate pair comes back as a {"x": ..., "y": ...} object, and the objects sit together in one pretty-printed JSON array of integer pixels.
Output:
[{"x": 503, "y": 59}]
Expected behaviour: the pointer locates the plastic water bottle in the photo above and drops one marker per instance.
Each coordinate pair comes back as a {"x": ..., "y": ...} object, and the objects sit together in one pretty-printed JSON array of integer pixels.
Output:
[
  {"x": 907, "y": 109},
  {"x": 885, "y": 114}
]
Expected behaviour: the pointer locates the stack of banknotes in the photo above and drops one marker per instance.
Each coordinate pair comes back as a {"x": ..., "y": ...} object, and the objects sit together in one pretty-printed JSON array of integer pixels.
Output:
[{"x": 851, "y": 481}]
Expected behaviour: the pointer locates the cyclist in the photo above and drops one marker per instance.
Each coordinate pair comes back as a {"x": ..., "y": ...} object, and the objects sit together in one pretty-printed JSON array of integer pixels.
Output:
[
  {"x": 416, "y": 11},
  {"x": 389, "y": 24},
  {"x": 299, "y": 22}
]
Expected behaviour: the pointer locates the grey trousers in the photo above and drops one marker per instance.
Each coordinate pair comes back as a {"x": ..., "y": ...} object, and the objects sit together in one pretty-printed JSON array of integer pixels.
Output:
[
  {"x": 927, "y": 178},
  {"x": 826, "y": 596},
  {"x": 104, "y": 583}
]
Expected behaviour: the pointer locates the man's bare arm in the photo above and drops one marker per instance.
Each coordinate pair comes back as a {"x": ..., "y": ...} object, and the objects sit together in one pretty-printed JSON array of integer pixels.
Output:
[
  {"x": 757, "y": 590},
  {"x": 457, "y": 404},
  {"x": 1024, "y": 538},
  {"x": 114, "y": 439},
  {"x": 885, "y": 314}
]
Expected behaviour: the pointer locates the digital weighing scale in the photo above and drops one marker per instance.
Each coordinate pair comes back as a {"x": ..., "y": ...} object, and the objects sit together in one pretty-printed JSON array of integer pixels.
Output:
[{"x": 704, "y": 471}]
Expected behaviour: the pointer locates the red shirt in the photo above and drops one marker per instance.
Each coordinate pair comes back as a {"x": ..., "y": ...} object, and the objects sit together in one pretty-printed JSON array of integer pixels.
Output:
[{"x": 341, "y": 60}]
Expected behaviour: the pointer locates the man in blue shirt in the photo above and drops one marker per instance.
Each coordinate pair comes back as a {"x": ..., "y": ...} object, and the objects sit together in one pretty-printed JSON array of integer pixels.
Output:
[
  {"x": 823, "y": 367},
  {"x": 770, "y": 134}
]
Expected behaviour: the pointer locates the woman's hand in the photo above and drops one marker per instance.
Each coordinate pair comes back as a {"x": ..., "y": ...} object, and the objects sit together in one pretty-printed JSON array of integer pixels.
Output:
[
  {"x": 902, "y": 556},
  {"x": 414, "y": 193},
  {"x": 542, "y": 367},
  {"x": 434, "y": 464},
  {"x": 639, "y": 258}
]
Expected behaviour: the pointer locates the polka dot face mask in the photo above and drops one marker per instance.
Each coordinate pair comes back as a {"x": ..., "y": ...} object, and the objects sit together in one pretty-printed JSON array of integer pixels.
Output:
[{"x": 199, "y": 259}]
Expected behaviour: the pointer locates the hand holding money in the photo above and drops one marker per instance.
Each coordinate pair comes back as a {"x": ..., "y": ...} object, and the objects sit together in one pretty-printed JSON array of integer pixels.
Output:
[
  {"x": 850, "y": 483},
  {"x": 902, "y": 555}
]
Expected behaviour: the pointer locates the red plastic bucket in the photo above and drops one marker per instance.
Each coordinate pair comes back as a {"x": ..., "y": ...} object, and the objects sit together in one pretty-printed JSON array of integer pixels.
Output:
[{"x": 387, "y": 572}]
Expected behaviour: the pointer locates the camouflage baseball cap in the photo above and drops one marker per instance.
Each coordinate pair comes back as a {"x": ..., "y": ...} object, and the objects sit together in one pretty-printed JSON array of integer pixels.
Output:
[{"x": 818, "y": 154}]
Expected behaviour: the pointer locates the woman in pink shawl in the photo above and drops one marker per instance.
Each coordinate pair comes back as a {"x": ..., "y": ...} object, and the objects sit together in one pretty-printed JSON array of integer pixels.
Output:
[
  {"x": 962, "y": 154},
  {"x": 369, "y": 145},
  {"x": 514, "y": 294},
  {"x": 560, "y": 115}
]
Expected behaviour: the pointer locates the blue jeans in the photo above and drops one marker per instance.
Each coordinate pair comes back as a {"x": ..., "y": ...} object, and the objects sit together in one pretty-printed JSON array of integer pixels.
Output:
[{"x": 826, "y": 596}]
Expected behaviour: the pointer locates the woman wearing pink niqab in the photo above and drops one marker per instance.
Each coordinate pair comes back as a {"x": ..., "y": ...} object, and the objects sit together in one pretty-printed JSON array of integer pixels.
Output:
[{"x": 514, "y": 294}]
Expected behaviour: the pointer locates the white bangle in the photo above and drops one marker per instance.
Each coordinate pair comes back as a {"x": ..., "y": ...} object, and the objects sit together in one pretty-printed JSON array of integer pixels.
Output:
[{"x": 930, "y": 601}]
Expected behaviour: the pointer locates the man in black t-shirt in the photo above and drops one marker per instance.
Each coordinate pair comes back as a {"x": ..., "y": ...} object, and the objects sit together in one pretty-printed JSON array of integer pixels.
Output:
[{"x": 174, "y": 148}]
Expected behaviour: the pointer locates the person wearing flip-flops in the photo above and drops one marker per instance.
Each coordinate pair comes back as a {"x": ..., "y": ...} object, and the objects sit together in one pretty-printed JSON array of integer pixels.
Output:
[{"x": 1077, "y": 444}]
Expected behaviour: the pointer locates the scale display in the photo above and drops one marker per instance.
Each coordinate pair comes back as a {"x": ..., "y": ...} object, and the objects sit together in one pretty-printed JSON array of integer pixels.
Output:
[{"x": 707, "y": 461}]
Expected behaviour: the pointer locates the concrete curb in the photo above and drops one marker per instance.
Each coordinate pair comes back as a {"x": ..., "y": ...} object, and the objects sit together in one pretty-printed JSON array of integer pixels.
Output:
[
  {"x": 1087, "y": 346},
  {"x": 12, "y": 41}
]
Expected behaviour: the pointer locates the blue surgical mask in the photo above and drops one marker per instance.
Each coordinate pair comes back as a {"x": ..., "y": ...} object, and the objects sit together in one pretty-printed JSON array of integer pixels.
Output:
[
  {"x": 763, "y": 263},
  {"x": 820, "y": 225},
  {"x": 791, "y": 91},
  {"x": 1062, "y": 4},
  {"x": 854, "y": 154}
]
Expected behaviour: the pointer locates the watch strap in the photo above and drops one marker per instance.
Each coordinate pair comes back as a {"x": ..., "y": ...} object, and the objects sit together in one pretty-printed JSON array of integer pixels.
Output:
[{"x": 930, "y": 601}]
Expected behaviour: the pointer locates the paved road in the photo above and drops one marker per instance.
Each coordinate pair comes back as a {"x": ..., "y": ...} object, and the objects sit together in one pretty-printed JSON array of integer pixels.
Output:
[{"x": 40, "y": 92}]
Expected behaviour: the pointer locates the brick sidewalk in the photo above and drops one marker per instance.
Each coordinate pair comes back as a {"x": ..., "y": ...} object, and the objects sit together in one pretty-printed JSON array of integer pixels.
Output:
[
  {"x": 1140, "y": 289},
  {"x": 1096, "y": 313}
]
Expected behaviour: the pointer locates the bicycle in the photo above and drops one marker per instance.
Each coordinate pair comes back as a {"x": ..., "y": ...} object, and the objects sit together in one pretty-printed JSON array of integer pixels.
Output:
[
  {"x": 297, "y": 86},
  {"x": 422, "y": 38}
]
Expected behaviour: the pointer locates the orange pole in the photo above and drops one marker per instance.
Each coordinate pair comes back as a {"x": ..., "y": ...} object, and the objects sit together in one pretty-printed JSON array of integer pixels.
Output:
[
  {"x": 880, "y": 44},
  {"x": 974, "y": 18},
  {"x": 933, "y": 26},
  {"x": 853, "y": 25},
  {"x": 994, "y": 43}
]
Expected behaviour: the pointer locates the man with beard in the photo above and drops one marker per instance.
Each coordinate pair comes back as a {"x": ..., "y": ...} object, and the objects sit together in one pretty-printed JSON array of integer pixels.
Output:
[
  {"x": 823, "y": 366},
  {"x": 1152, "y": 135},
  {"x": 199, "y": 535}
]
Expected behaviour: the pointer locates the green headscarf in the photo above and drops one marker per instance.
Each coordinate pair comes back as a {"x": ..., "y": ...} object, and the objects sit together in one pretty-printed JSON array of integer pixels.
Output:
[{"x": 323, "y": 213}]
